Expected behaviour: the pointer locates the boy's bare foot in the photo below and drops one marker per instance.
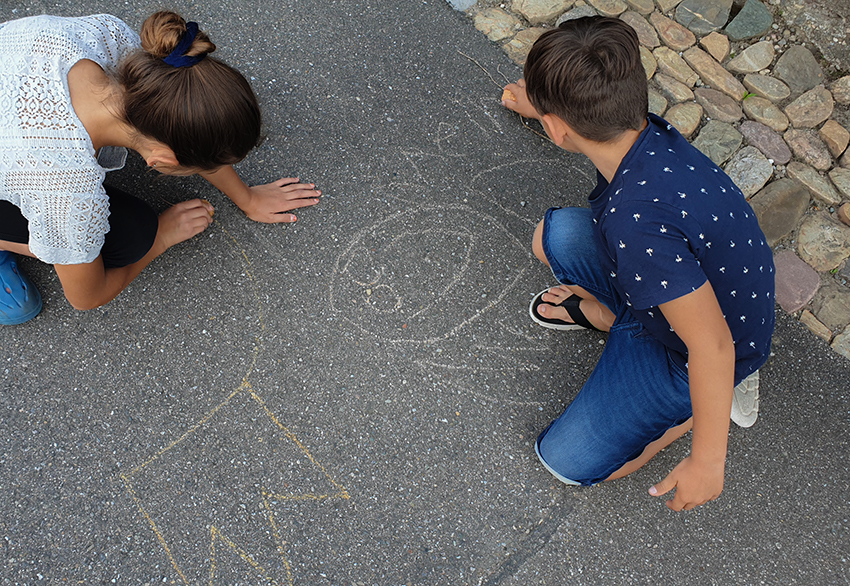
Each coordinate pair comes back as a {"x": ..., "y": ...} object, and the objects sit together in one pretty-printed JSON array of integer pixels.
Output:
[{"x": 553, "y": 310}]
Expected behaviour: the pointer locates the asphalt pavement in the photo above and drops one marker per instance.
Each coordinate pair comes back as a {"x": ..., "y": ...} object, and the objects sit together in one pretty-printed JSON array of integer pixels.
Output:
[{"x": 353, "y": 399}]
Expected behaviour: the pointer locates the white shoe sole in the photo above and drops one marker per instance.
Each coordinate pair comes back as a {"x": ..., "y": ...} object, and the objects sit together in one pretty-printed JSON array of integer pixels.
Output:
[{"x": 745, "y": 401}]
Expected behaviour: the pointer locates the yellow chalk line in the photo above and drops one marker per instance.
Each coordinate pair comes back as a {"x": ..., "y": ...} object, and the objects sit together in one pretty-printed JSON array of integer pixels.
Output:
[
  {"x": 159, "y": 536},
  {"x": 277, "y": 537},
  {"x": 214, "y": 532},
  {"x": 291, "y": 437},
  {"x": 242, "y": 553}
]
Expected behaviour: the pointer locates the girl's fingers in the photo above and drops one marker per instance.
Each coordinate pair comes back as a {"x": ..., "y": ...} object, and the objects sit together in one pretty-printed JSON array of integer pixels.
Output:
[
  {"x": 309, "y": 188},
  {"x": 286, "y": 181}
]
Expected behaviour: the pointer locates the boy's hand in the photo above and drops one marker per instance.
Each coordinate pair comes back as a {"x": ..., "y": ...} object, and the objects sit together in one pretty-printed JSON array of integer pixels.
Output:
[
  {"x": 698, "y": 321},
  {"x": 269, "y": 202},
  {"x": 695, "y": 483},
  {"x": 521, "y": 106}
]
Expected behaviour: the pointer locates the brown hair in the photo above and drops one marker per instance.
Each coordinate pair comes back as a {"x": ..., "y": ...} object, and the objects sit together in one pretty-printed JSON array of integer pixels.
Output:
[
  {"x": 588, "y": 72},
  {"x": 207, "y": 113}
]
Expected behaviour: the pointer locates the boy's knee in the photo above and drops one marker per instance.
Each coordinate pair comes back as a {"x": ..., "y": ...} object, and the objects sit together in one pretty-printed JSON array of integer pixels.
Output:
[{"x": 537, "y": 244}]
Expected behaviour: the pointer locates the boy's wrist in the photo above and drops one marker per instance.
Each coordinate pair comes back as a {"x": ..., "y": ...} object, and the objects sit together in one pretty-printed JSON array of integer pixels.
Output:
[
  {"x": 709, "y": 453},
  {"x": 709, "y": 457}
]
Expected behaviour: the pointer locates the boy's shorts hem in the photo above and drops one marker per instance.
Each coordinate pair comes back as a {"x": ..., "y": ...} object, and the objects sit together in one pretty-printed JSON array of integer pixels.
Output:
[{"x": 551, "y": 470}]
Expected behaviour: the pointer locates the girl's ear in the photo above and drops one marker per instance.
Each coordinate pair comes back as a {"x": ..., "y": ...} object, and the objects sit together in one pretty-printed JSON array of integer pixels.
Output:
[{"x": 160, "y": 155}]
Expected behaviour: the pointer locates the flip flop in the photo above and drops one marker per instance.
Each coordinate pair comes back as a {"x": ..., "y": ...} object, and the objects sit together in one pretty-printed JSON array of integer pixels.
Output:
[
  {"x": 20, "y": 301},
  {"x": 571, "y": 304}
]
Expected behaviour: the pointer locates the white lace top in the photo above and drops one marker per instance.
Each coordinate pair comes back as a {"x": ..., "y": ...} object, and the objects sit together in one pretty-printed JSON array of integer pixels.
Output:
[{"x": 48, "y": 166}]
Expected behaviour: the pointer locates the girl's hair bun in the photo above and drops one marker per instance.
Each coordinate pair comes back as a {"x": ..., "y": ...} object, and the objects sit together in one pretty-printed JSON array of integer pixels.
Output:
[
  {"x": 205, "y": 112},
  {"x": 163, "y": 30}
]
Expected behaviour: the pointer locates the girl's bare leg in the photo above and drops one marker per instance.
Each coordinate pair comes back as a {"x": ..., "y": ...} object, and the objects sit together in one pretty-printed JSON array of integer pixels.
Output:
[{"x": 16, "y": 247}]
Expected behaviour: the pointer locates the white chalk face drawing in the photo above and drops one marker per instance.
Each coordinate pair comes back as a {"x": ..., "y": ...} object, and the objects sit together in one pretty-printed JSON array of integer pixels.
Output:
[
  {"x": 423, "y": 275},
  {"x": 445, "y": 277},
  {"x": 441, "y": 262}
]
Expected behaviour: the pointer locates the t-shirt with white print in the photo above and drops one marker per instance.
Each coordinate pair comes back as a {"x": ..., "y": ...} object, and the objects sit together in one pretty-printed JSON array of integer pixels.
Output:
[{"x": 671, "y": 219}]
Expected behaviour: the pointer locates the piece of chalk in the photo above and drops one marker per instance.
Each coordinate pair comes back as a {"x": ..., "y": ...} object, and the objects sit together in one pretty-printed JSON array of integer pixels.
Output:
[{"x": 508, "y": 95}]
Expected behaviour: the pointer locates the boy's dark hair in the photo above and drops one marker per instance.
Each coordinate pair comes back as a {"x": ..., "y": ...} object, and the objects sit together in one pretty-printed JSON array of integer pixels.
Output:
[{"x": 588, "y": 72}]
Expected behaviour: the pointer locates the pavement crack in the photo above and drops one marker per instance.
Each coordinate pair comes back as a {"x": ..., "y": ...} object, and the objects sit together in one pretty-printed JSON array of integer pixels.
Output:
[{"x": 527, "y": 548}]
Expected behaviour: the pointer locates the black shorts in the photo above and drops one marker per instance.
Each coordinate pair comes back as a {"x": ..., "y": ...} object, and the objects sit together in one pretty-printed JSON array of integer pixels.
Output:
[{"x": 132, "y": 228}]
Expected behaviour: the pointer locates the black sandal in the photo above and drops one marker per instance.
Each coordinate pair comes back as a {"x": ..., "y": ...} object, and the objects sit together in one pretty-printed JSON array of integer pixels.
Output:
[{"x": 571, "y": 304}]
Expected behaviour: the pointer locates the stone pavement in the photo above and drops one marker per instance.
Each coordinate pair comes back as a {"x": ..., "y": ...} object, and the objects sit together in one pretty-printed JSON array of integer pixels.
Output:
[
  {"x": 353, "y": 400},
  {"x": 764, "y": 104}
]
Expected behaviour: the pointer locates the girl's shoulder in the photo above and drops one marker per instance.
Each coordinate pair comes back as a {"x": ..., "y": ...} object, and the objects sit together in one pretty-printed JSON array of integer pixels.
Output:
[{"x": 103, "y": 38}]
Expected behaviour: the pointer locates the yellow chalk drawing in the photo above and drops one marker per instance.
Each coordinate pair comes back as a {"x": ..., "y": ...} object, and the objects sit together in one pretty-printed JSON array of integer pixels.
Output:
[{"x": 219, "y": 542}]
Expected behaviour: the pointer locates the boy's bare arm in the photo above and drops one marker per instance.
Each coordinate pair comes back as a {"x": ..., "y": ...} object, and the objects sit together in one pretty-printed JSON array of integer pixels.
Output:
[{"x": 698, "y": 320}]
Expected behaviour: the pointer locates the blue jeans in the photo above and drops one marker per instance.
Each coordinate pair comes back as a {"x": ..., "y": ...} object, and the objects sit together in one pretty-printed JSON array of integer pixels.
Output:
[{"x": 635, "y": 393}]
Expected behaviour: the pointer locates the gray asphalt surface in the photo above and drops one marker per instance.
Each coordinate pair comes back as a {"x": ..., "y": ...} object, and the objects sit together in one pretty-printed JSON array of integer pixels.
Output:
[{"x": 353, "y": 400}]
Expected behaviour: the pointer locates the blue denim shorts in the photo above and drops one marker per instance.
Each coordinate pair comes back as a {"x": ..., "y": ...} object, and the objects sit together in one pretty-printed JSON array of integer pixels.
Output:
[{"x": 635, "y": 393}]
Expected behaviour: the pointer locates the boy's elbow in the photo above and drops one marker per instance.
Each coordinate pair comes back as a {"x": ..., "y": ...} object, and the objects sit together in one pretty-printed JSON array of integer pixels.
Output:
[{"x": 720, "y": 345}]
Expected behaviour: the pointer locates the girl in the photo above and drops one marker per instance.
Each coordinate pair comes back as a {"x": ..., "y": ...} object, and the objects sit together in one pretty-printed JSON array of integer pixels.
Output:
[{"x": 75, "y": 93}]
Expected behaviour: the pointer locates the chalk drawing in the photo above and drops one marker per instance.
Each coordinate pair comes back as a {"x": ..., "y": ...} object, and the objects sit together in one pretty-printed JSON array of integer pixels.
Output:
[
  {"x": 446, "y": 282},
  {"x": 396, "y": 273},
  {"x": 212, "y": 495}
]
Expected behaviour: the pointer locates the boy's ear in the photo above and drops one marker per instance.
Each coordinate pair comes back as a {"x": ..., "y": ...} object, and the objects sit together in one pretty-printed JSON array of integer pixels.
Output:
[{"x": 556, "y": 128}]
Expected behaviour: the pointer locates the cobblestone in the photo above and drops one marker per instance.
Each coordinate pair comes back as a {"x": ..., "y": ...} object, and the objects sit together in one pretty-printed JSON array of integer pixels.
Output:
[
  {"x": 796, "y": 282},
  {"x": 808, "y": 147},
  {"x": 766, "y": 87},
  {"x": 767, "y": 141},
  {"x": 811, "y": 108},
  {"x": 718, "y": 106},
  {"x": 752, "y": 59},
  {"x": 799, "y": 69},
  {"x": 671, "y": 33},
  {"x": 835, "y": 136},
  {"x": 823, "y": 243},
  {"x": 779, "y": 207},
  {"x": 718, "y": 141}
]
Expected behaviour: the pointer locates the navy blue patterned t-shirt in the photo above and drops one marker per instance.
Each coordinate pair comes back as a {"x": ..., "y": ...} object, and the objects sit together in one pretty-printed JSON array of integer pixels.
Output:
[{"x": 670, "y": 220}]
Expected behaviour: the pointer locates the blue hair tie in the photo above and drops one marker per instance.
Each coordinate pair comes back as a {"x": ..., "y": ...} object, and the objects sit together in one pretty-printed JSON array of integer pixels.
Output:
[{"x": 177, "y": 58}]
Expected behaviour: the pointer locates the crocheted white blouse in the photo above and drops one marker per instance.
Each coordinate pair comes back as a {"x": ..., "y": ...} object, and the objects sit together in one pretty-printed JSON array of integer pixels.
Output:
[{"x": 48, "y": 166}]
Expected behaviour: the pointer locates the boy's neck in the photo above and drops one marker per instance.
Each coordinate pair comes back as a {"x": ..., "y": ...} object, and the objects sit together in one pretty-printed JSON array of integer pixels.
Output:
[{"x": 607, "y": 156}]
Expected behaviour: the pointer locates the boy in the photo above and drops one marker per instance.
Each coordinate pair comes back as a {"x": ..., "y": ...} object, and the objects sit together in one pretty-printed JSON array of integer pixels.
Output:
[{"x": 669, "y": 259}]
